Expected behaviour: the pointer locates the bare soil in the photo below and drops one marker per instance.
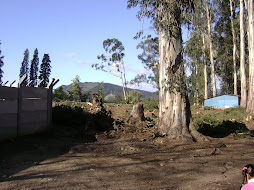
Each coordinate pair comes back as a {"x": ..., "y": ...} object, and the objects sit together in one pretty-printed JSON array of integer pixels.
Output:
[{"x": 61, "y": 160}]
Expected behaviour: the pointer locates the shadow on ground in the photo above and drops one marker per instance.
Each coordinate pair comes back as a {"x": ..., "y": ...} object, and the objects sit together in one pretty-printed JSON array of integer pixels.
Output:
[
  {"x": 33, "y": 149},
  {"x": 223, "y": 129}
]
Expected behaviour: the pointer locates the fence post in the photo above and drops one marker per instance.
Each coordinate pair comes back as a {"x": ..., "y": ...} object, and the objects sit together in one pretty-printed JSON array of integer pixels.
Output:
[
  {"x": 22, "y": 79},
  {"x": 49, "y": 99}
]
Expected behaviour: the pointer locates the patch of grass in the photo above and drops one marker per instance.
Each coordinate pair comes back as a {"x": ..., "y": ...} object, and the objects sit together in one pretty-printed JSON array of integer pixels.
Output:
[
  {"x": 220, "y": 123},
  {"x": 151, "y": 105}
]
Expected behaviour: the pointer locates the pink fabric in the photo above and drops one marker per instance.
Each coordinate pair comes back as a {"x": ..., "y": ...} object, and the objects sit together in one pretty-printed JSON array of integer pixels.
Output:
[
  {"x": 245, "y": 168},
  {"x": 249, "y": 186}
]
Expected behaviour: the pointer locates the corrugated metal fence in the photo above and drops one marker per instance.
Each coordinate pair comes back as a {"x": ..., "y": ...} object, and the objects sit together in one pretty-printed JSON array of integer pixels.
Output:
[{"x": 25, "y": 110}]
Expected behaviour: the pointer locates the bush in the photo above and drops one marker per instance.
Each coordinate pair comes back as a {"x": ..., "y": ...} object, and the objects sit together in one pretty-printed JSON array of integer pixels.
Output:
[
  {"x": 69, "y": 115},
  {"x": 151, "y": 105}
]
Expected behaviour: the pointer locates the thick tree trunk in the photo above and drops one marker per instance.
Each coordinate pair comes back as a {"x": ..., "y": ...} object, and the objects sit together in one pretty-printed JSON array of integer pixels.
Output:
[
  {"x": 138, "y": 112},
  {"x": 232, "y": 10},
  {"x": 196, "y": 101},
  {"x": 211, "y": 48},
  {"x": 242, "y": 57},
  {"x": 205, "y": 68},
  {"x": 174, "y": 107},
  {"x": 250, "y": 106}
]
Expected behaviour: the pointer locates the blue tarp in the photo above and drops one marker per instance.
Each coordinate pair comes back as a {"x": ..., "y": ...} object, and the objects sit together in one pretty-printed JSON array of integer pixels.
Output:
[{"x": 225, "y": 101}]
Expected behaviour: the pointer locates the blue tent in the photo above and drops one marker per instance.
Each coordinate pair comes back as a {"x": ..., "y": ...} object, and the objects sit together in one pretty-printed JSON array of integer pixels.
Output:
[{"x": 225, "y": 101}]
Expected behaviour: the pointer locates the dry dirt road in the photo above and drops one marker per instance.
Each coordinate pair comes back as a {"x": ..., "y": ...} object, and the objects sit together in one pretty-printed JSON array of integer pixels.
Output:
[{"x": 62, "y": 162}]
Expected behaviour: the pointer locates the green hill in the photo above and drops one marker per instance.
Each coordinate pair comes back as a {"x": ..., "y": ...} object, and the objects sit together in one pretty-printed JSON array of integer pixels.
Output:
[{"x": 108, "y": 88}]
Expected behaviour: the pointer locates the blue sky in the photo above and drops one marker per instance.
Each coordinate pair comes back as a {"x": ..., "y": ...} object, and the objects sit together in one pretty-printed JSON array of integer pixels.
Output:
[{"x": 72, "y": 33}]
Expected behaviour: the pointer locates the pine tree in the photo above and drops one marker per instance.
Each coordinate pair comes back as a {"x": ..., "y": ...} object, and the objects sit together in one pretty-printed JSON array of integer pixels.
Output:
[
  {"x": 1, "y": 64},
  {"x": 101, "y": 91},
  {"x": 24, "y": 67},
  {"x": 76, "y": 91},
  {"x": 34, "y": 68},
  {"x": 45, "y": 70}
]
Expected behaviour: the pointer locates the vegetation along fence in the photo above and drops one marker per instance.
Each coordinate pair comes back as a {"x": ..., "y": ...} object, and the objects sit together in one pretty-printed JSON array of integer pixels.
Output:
[{"x": 24, "y": 109}]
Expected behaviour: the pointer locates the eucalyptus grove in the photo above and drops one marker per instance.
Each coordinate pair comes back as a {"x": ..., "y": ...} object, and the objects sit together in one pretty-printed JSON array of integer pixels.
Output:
[
  {"x": 250, "y": 105},
  {"x": 174, "y": 108},
  {"x": 242, "y": 57}
]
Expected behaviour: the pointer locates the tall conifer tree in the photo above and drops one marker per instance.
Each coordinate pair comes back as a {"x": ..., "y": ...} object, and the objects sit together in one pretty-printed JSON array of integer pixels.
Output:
[
  {"x": 45, "y": 70},
  {"x": 1, "y": 64},
  {"x": 34, "y": 68},
  {"x": 24, "y": 67}
]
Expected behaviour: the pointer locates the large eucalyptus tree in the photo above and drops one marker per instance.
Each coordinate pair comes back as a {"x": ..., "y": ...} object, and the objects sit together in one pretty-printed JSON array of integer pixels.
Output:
[
  {"x": 174, "y": 108},
  {"x": 250, "y": 104}
]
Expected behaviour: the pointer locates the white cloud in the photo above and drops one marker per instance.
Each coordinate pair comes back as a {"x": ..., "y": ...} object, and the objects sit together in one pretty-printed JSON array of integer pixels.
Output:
[
  {"x": 70, "y": 55},
  {"x": 82, "y": 62},
  {"x": 143, "y": 86}
]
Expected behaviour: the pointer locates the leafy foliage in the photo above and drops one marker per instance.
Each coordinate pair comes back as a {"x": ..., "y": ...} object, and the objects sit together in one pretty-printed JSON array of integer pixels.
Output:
[
  {"x": 68, "y": 115},
  {"x": 101, "y": 91},
  {"x": 76, "y": 92},
  {"x": 24, "y": 69},
  {"x": 114, "y": 60},
  {"x": 34, "y": 68},
  {"x": 59, "y": 94},
  {"x": 149, "y": 57},
  {"x": 1, "y": 64},
  {"x": 45, "y": 70},
  {"x": 115, "y": 49},
  {"x": 134, "y": 96}
]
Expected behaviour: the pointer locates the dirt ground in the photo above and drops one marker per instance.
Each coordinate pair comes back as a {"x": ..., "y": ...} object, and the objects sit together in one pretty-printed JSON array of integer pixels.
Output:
[{"x": 62, "y": 161}]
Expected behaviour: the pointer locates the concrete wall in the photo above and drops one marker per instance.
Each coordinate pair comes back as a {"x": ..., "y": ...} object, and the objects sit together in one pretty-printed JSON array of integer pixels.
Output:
[{"x": 24, "y": 110}]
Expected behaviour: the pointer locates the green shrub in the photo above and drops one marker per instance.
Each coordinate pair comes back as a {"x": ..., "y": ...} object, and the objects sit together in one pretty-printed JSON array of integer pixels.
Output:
[{"x": 68, "y": 115}]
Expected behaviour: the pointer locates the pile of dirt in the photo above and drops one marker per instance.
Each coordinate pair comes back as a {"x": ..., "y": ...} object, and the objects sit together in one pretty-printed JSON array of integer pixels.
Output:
[
  {"x": 136, "y": 126},
  {"x": 100, "y": 119}
]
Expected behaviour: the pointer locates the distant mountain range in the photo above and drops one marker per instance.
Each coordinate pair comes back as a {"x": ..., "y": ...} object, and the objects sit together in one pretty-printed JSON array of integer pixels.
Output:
[{"x": 108, "y": 89}]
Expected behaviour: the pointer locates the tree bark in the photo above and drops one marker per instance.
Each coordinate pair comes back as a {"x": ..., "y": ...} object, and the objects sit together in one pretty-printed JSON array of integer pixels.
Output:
[
  {"x": 250, "y": 105},
  {"x": 208, "y": 13},
  {"x": 123, "y": 83},
  {"x": 174, "y": 107},
  {"x": 232, "y": 11},
  {"x": 196, "y": 95},
  {"x": 138, "y": 112},
  {"x": 242, "y": 57},
  {"x": 205, "y": 68}
]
